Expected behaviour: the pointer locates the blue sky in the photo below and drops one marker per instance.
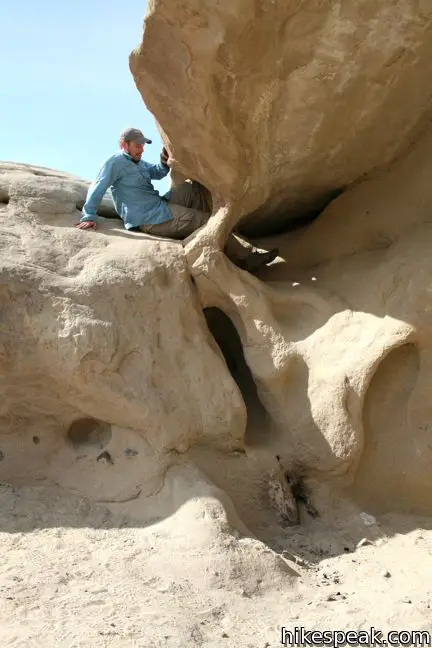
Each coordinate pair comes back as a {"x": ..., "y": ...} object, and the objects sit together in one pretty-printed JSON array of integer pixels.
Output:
[{"x": 66, "y": 91}]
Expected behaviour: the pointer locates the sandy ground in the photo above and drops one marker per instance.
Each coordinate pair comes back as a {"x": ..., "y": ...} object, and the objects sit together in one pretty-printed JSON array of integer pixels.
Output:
[{"x": 74, "y": 573}]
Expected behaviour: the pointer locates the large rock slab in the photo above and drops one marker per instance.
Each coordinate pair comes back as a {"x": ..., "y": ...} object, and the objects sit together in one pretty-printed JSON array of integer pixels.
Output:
[
  {"x": 76, "y": 188},
  {"x": 277, "y": 106}
]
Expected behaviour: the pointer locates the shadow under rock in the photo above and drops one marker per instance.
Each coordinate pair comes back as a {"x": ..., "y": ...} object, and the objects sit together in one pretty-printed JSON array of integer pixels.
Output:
[{"x": 259, "y": 424}]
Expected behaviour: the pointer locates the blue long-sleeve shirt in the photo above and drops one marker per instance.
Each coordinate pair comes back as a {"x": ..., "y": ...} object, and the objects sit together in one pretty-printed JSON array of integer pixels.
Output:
[{"x": 136, "y": 201}]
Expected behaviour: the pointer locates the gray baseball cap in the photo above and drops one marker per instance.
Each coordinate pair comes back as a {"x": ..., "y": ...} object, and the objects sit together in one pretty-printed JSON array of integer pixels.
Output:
[{"x": 134, "y": 135}]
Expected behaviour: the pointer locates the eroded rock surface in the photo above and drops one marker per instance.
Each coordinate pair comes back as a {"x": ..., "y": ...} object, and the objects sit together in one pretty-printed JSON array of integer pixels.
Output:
[
  {"x": 284, "y": 106},
  {"x": 338, "y": 337},
  {"x": 119, "y": 413},
  {"x": 105, "y": 332},
  {"x": 275, "y": 106},
  {"x": 104, "y": 327},
  {"x": 110, "y": 379},
  {"x": 118, "y": 410}
]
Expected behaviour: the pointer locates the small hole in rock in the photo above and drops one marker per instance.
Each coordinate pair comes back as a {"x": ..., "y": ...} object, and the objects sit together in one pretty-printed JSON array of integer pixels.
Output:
[
  {"x": 36, "y": 440},
  {"x": 1, "y": 455},
  {"x": 89, "y": 432},
  {"x": 130, "y": 452}
]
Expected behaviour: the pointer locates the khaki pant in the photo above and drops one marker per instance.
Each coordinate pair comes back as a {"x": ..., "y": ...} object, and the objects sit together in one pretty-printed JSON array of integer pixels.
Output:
[{"x": 189, "y": 207}]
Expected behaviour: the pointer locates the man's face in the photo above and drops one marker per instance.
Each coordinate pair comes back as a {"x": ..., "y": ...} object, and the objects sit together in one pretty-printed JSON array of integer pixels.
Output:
[{"x": 134, "y": 149}]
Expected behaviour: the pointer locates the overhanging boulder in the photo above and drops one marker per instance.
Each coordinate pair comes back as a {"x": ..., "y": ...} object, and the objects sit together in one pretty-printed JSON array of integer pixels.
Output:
[{"x": 277, "y": 106}]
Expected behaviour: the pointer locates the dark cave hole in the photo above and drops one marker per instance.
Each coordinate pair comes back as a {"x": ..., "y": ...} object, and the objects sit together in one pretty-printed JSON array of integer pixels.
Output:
[
  {"x": 89, "y": 432},
  {"x": 229, "y": 342}
]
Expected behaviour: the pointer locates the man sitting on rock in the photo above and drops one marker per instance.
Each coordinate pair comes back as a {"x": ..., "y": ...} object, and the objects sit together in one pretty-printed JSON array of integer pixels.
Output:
[{"x": 176, "y": 214}]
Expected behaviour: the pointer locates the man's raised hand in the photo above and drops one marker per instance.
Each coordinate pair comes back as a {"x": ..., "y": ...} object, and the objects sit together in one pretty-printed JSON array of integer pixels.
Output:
[{"x": 164, "y": 156}]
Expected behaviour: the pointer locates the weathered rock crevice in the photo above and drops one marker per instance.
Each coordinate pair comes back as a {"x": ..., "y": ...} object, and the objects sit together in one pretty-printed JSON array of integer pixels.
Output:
[
  {"x": 4, "y": 196},
  {"x": 276, "y": 222},
  {"x": 229, "y": 342}
]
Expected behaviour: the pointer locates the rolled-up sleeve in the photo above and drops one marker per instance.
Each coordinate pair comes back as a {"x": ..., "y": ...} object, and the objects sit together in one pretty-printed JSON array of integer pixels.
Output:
[{"x": 106, "y": 177}]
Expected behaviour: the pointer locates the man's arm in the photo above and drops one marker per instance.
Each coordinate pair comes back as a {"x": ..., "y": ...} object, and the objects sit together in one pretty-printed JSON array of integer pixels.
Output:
[
  {"x": 107, "y": 175},
  {"x": 159, "y": 171}
]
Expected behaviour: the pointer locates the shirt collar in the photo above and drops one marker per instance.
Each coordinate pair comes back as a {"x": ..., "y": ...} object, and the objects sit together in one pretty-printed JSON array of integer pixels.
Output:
[{"x": 129, "y": 157}]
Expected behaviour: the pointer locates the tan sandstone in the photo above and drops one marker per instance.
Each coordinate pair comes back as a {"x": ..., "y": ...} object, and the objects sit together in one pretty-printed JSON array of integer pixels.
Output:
[
  {"x": 138, "y": 433},
  {"x": 275, "y": 105}
]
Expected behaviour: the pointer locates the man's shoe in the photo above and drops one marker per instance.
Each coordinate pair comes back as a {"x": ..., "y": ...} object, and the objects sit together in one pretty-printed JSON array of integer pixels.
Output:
[{"x": 258, "y": 260}]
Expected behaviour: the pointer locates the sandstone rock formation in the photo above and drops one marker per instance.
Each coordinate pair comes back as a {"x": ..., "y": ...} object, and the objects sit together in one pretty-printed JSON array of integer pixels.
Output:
[
  {"x": 110, "y": 329},
  {"x": 338, "y": 337},
  {"x": 110, "y": 381},
  {"x": 158, "y": 380},
  {"x": 104, "y": 327},
  {"x": 284, "y": 107},
  {"x": 275, "y": 106},
  {"x": 119, "y": 413}
]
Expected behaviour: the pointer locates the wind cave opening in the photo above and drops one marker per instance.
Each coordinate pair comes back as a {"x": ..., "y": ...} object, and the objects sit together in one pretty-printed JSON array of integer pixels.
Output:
[{"x": 229, "y": 342}]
